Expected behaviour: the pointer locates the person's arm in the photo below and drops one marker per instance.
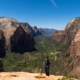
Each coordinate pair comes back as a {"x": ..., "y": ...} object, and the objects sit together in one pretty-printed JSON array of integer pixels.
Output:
[{"x": 48, "y": 63}]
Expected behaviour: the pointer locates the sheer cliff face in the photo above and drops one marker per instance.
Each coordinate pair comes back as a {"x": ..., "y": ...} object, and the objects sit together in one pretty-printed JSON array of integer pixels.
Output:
[
  {"x": 21, "y": 41},
  {"x": 16, "y": 37},
  {"x": 74, "y": 52},
  {"x": 33, "y": 30},
  {"x": 71, "y": 36},
  {"x": 58, "y": 35},
  {"x": 69, "y": 33}
]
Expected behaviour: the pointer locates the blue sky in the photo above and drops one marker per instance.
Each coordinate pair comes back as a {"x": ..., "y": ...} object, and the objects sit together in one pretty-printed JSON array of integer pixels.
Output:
[{"x": 41, "y": 13}]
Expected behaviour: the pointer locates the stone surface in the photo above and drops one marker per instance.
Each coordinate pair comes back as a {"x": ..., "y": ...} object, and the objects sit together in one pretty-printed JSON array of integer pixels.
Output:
[
  {"x": 74, "y": 53},
  {"x": 71, "y": 37},
  {"x": 16, "y": 37},
  {"x": 69, "y": 33},
  {"x": 25, "y": 76},
  {"x": 33, "y": 30},
  {"x": 58, "y": 35}
]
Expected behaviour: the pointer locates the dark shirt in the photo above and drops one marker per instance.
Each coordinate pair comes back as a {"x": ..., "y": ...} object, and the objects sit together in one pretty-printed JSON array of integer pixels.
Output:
[{"x": 47, "y": 63}]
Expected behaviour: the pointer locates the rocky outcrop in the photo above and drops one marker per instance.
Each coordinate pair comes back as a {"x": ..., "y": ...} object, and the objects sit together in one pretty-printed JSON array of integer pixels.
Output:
[
  {"x": 38, "y": 31},
  {"x": 69, "y": 33},
  {"x": 58, "y": 35},
  {"x": 74, "y": 53},
  {"x": 22, "y": 41},
  {"x": 71, "y": 37},
  {"x": 33, "y": 30},
  {"x": 2, "y": 44},
  {"x": 17, "y": 39}
]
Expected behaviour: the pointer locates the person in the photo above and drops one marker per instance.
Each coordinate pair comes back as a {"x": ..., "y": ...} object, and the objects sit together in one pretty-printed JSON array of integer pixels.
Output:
[{"x": 47, "y": 65}]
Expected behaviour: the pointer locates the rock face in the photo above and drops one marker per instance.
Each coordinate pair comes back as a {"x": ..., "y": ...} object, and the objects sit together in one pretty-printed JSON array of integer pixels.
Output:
[
  {"x": 58, "y": 35},
  {"x": 69, "y": 33},
  {"x": 22, "y": 41},
  {"x": 38, "y": 31},
  {"x": 2, "y": 44},
  {"x": 71, "y": 36},
  {"x": 33, "y": 30},
  {"x": 74, "y": 53},
  {"x": 17, "y": 39}
]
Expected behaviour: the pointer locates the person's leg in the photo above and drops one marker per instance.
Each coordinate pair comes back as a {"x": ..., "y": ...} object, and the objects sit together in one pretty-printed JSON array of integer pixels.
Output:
[{"x": 46, "y": 70}]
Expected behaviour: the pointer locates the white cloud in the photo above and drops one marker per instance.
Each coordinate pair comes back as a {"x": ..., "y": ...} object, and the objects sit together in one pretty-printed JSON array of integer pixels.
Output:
[{"x": 53, "y": 2}]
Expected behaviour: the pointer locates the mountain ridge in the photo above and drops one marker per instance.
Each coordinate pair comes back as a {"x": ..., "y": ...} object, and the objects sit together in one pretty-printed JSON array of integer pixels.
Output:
[{"x": 71, "y": 37}]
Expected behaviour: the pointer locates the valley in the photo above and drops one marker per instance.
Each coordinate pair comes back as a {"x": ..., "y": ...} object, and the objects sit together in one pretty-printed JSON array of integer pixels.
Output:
[{"x": 26, "y": 52}]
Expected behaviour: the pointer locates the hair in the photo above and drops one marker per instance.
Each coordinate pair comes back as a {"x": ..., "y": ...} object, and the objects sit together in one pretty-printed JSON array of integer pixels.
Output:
[{"x": 47, "y": 58}]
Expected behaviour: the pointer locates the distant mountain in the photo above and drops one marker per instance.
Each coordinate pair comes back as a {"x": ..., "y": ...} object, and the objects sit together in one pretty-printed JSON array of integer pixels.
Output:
[
  {"x": 33, "y": 30},
  {"x": 49, "y": 31}
]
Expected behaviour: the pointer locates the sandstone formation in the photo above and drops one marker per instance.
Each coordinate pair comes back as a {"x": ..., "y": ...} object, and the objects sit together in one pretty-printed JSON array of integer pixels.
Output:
[
  {"x": 69, "y": 33},
  {"x": 22, "y": 41},
  {"x": 58, "y": 35},
  {"x": 74, "y": 53},
  {"x": 17, "y": 39},
  {"x": 38, "y": 31},
  {"x": 33, "y": 30},
  {"x": 71, "y": 37}
]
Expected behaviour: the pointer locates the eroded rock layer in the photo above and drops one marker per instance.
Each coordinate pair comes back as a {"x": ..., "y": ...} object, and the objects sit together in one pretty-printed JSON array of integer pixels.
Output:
[
  {"x": 17, "y": 39},
  {"x": 69, "y": 33}
]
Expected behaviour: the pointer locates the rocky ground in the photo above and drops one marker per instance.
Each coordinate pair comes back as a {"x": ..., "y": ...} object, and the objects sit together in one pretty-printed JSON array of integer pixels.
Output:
[{"x": 26, "y": 76}]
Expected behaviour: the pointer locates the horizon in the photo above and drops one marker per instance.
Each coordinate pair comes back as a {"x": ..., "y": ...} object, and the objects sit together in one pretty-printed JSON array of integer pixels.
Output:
[{"x": 52, "y": 14}]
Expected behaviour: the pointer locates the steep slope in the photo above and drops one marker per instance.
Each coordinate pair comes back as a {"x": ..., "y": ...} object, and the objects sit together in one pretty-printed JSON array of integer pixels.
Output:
[
  {"x": 74, "y": 53},
  {"x": 69, "y": 33},
  {"x": 71, "y": 37},
  {"x": 58, "y": 35},
  {"x": 33, "y": 30},
  {"x": 16, "y": 37}
]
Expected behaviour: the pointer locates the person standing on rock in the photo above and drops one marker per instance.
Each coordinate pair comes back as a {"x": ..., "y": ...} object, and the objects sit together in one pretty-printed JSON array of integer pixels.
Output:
[{"x": 47, "y": 65}]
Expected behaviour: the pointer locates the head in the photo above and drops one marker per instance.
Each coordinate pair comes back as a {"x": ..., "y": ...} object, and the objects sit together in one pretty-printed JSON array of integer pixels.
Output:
[{"x": 47, "y": 58}]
